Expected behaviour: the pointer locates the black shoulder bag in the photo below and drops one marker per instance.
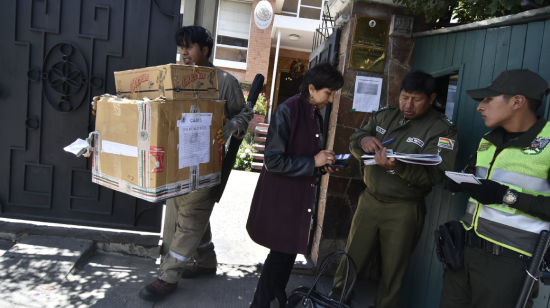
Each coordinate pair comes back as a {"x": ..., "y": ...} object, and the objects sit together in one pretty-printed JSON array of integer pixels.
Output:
[
  {"x": 449, "y": 240},
  {"x": 304, "y": 297}
]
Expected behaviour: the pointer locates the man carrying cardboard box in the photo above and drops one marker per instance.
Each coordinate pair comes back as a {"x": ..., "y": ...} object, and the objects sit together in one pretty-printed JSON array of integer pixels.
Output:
[{"x": 193, "y": 238}]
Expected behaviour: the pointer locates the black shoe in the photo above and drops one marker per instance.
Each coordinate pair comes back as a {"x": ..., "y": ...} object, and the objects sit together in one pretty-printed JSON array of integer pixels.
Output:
[
  {"x": 195, "y": 271},
  {"x": 157, "y": 290}
]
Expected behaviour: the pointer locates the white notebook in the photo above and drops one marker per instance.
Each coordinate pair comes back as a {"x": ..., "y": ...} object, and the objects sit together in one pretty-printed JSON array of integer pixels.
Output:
[{"x": 460, "y": 177}]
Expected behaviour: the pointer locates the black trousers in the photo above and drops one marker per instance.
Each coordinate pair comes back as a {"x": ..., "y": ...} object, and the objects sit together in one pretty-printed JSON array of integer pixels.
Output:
[{"x": 273, "y": 280}]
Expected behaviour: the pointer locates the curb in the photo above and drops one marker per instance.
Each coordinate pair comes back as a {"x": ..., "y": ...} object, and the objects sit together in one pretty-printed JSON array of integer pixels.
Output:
[{"x": 146, "y": 246}]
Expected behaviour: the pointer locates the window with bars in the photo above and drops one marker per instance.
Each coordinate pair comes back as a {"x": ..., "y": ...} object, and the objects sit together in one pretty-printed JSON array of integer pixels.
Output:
[{"x": 233, "y": 34}]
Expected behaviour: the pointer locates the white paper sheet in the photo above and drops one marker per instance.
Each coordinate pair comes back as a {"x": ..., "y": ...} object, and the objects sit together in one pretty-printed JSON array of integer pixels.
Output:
[
  {"x": 194, "y": 145},
  {"x": 367, "y": 93},
  {"x": 462, "y": 177},
  {"x": 194, "y": 139},
  {"x": 76, "y": 146},
  {"x": 118, "y": 148}
]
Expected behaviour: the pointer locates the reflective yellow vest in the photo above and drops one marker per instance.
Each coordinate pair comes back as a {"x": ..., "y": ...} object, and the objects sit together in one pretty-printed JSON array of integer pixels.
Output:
[{"x": 522, "y": 169}]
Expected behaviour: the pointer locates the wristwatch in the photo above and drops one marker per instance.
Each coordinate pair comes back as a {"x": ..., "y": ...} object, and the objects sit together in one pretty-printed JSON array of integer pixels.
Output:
[
  {"x": 510, "y": 197},
  {"x": 394, "y": 170}
]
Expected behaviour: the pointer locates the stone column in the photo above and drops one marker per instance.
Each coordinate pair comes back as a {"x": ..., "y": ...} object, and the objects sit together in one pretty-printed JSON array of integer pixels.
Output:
[{"x": 340, "y": 191}]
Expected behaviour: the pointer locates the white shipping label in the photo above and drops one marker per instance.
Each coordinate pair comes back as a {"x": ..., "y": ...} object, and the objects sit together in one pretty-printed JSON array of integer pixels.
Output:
[
  {"x": 118, "y": 148},
  {"x": 194, "y": 145},
  {"x": 195, "y": 119}
]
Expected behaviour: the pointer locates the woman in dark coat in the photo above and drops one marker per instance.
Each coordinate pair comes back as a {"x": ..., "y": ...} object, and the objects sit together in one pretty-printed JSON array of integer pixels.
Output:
[{"x": 280, "y": 215}]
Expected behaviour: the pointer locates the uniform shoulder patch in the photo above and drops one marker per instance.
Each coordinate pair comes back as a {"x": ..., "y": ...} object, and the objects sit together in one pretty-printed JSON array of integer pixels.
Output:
[
  {"x": 484, "y": 146},
  {"x": 385, "y": 108},
  {"x": 446, "y": 120},
  {"x": 446, "y": 143},
  {"x": 536, "y": 146}
]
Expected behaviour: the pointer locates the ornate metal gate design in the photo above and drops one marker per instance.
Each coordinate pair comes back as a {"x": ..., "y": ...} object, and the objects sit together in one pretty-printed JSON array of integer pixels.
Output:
[{"x": 55, "y": 56}]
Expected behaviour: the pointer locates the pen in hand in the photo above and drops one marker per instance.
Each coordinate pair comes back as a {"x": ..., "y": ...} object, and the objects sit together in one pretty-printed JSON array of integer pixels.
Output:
[{"x": 388, "y": 141}]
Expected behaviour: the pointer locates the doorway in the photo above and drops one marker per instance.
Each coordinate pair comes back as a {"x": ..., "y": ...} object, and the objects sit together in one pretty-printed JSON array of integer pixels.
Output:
[
  {"x": 286, "y": 87},
  {"x": 446, "y": 94}
]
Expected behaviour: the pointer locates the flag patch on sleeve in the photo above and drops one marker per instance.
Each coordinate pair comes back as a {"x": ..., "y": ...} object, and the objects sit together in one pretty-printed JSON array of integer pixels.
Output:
[{"x": 446, "y": 143}]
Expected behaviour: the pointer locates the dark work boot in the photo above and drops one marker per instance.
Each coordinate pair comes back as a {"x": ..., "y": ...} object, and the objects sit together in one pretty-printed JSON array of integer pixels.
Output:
[
  {"x": 194, "y": 271},
  {"x": 157, "y": 290}
]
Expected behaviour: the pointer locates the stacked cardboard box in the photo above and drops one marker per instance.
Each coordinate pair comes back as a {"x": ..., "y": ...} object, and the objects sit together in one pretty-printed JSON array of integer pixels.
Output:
[{"x": 162, "y": 147}]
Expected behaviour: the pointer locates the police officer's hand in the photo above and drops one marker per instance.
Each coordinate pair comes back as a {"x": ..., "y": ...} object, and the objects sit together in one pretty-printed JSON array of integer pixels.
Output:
[
  {"x": 382, "y": 160},
  {"x": 452, "y": 186},
  {"x": 371, "y": 144},
  {"x": 489, "y": 192}
]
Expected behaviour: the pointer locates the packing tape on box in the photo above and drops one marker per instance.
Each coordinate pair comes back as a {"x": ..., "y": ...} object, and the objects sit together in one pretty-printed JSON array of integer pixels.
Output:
[{"x": 144, "y": 142}]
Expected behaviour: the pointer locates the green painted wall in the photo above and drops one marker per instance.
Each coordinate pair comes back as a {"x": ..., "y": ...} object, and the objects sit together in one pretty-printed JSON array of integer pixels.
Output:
[{"x": 482, "y": 55}]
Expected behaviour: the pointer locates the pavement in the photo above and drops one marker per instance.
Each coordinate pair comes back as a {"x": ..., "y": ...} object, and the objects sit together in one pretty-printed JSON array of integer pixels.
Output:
[
  {"x": 41, "y": 267},
  {"x": 5, "y": 245},
  {"x": 228, "y": 224}
]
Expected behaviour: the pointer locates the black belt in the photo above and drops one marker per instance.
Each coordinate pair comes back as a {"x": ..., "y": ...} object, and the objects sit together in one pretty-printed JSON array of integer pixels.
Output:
[{"x": 473, "y": 240}]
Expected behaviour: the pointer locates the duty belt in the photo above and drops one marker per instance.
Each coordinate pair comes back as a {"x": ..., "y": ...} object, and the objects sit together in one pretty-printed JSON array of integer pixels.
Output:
[{"x": 473, "y": 240}]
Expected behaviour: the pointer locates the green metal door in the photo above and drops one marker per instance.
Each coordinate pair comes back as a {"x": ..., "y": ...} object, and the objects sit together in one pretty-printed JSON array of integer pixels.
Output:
[{"x": 479, "y": 56}]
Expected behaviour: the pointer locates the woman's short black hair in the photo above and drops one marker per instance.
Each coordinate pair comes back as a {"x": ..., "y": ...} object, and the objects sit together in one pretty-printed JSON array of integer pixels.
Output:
[
  {"x": 195, "y": 34},
  {"x": 418, "y": 82},
  {"x": 322, "y": 75}
]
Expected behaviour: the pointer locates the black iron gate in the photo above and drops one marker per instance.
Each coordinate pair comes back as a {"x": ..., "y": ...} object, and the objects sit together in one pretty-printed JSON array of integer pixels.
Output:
[{"x": 55, "y": 56}]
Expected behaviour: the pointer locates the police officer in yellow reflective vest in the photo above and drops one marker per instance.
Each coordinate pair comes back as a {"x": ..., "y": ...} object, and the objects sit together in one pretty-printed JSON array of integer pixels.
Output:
[{"x": 505, "y": 214}]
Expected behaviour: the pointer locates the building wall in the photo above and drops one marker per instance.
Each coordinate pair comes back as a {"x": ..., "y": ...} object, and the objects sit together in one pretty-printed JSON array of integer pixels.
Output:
[
  {"x": 239, "y": 74},
  {"x": 340, "y": 190},
  {"x": 259, "y": 48}
]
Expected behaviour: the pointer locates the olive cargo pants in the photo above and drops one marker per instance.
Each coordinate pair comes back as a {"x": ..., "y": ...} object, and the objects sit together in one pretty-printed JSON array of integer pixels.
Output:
[
  {"x": 485, "y": 281},
  {"x": 193, "y": 238},
  {"x": 393, "y": 227}
]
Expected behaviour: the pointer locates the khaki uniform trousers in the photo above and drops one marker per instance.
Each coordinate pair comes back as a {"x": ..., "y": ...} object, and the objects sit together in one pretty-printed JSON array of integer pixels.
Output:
[
  {"x": 192, "y": 241},
  {"x": 392, "y": 227},
  {"x": 485, "y": 281}
]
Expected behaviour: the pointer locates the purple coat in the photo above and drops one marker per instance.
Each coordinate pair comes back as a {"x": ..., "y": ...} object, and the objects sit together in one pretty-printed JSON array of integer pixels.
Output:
[{"x": 280, "y": 213}]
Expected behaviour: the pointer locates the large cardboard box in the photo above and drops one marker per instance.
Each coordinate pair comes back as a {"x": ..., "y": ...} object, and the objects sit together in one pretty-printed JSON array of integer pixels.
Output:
[
  {"x": 157, "y": 149},
  {"x": 172, "y": 81}
]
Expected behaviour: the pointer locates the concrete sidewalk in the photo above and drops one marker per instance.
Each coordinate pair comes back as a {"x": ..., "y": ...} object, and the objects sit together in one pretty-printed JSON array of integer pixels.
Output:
[
  {"x": 60, "y": 276},
  {"x": 112, "y": 280}
]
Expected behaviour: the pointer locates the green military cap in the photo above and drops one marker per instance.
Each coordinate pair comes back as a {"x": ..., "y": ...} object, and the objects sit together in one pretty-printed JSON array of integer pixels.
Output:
[{"x": 514, "y": 82}]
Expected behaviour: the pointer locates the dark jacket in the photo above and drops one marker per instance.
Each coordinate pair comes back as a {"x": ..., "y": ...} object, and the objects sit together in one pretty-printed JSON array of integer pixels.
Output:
[
  {"x": 280, "y": 213},
  {"x": 431, "y": 133}
]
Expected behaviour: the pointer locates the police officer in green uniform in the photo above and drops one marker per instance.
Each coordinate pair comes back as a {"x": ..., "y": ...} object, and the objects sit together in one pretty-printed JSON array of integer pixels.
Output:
[
  {"x": 505, "y": 214},
  {"x": 390, "y": 213}
]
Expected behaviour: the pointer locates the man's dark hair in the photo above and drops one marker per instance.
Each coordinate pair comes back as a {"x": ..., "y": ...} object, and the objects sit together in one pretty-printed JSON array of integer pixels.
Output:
[
  {"x": 322, "y": 75},
  {"x": 534, "y": 104},
  {"x": 195, "y": 34},
  {"x": 419, "y": 82}
]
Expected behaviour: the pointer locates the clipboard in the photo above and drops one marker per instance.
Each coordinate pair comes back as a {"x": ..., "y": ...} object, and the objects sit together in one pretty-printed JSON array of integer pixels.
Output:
[{"x": 460, "y": 177}]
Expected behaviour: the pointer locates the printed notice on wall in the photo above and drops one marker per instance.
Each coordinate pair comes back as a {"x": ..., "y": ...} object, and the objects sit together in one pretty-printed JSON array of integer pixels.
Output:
[
  {"x": 194, "y": 139},
  {"x": 367, "y": 93}
]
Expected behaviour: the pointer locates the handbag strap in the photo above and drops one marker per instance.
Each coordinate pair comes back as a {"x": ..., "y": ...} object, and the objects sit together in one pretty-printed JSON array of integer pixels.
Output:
[{"x": 322, "y": 268}]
